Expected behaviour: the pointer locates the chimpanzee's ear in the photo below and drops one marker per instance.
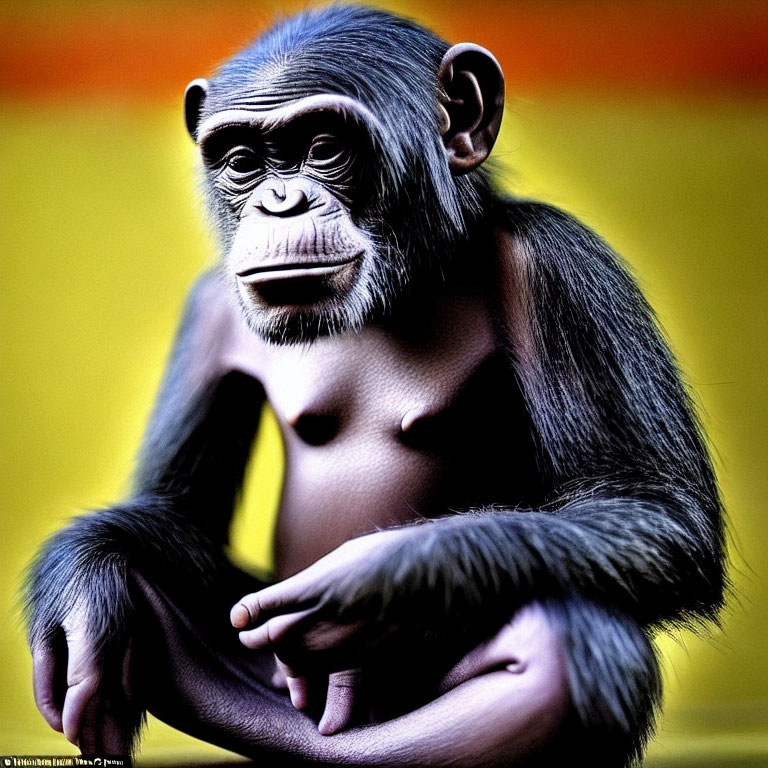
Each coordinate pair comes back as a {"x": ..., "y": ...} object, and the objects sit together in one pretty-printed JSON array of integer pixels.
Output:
[
  {"x": 194, "y": 97},
  {"x": 472, "y": 102}
]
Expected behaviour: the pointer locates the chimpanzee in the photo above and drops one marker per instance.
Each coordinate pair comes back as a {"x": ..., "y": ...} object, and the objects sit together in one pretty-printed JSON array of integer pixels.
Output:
[{"x": 495, "y": 487}]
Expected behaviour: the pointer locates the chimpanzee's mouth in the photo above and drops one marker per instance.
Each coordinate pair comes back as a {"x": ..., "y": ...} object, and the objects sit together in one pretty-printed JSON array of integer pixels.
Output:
[
  {"x": 298, "y": 283},
  {"x": 294, "y": 271}
]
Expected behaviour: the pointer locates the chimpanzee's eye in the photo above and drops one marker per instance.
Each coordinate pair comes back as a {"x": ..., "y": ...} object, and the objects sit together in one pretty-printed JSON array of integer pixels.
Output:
[
  {"x": 326, "y": 149},
  {"x": 241, "y": 161}
]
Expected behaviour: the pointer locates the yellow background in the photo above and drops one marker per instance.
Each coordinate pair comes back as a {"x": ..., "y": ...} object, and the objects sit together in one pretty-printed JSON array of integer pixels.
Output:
[{"x": 101, "y": 235}]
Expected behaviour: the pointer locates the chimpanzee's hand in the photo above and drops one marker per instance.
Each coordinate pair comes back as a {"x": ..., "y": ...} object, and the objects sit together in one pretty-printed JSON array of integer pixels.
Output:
[
  {"x": 327, "y": 616},
  {"x": 70, "y": 691}
]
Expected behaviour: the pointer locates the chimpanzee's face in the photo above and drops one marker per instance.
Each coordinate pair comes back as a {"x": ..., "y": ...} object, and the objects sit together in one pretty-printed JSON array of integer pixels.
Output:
[{"x": 294, "y": 180}]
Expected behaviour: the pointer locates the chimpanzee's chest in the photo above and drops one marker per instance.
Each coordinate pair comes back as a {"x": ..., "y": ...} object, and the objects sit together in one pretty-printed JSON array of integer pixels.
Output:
[
  {"x": 365, "y": 387},
  {"x": 379, "y": 428}
]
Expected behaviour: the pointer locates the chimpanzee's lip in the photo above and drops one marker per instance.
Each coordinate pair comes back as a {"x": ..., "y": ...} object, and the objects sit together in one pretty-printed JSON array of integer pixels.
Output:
[{"x": 292, "y": 271}]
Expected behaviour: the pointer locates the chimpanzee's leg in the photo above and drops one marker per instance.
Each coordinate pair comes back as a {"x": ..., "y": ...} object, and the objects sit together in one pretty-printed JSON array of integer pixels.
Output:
[{"x": 502, "y": 705}]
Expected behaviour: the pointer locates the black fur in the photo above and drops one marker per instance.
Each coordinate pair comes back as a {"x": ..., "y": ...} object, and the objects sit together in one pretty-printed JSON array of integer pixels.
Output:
[{"x": 628, "y": 537}]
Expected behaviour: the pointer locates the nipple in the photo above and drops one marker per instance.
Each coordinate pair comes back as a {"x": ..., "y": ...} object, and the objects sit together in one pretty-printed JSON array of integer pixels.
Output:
[
  {"x": 416, "y": 416},
  {"x": 411, "y": 417}
]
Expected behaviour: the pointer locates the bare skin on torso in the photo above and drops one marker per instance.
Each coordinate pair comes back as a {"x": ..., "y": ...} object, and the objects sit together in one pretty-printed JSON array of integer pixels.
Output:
[{"x": 386, "y": 425}]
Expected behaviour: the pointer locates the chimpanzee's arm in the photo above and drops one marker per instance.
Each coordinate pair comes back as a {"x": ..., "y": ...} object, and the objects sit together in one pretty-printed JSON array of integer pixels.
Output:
[
  {"x": 171, "y": 528},
  {"x": 633, "y": 514},
  {"x": 631, "y": 519}
]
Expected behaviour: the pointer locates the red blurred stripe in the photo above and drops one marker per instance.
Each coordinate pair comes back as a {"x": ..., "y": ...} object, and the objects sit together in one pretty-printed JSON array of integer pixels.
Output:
[
  {"x": 153, "y": 52},
  {"x": 629, "y": 44},
  {"x": 121, "y": 51}
]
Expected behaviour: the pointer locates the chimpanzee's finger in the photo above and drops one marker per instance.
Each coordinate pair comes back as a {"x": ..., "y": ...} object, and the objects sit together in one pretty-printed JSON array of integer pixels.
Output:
[
  {"x": 256, "y": 607},
  {"x": 298, "y": 690},
  {"x": 83, "y": 682},
  {"x": 44, "y": 665},
  {"x": 272, "y": 631},
  {"x": 297, "y": 685},
  {"x": 340, "y": 701}
]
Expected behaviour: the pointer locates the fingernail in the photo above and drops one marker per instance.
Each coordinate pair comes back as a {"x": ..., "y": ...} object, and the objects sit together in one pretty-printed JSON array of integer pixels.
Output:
[{"x": 239, "y": 616}]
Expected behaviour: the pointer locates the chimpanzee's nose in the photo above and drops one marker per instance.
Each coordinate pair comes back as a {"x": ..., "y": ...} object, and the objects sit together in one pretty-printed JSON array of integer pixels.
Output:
[{"x": 279, "y": 199}]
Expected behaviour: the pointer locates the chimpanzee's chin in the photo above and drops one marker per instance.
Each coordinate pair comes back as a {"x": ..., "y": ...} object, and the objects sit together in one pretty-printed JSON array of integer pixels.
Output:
[{"x": 292, "y": 325}]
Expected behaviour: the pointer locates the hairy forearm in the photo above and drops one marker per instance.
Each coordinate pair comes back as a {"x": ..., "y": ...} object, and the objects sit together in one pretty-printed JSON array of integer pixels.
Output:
[
  {"x": 650, "y": 558},
  {"x": 631, "y": 553},
  {"x": 88, "y": 561},
  {"x": 654, "y": 561}
]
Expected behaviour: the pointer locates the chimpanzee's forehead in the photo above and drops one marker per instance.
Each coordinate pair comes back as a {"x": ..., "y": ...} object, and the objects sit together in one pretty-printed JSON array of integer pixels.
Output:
[
  {"x": 265, "y": 97},
  {"x": 269, "y": 88}
]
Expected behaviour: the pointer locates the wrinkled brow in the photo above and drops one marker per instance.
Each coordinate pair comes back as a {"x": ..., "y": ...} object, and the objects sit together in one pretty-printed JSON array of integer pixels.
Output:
[{"x": 271, "y": 118}]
